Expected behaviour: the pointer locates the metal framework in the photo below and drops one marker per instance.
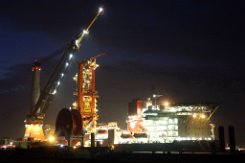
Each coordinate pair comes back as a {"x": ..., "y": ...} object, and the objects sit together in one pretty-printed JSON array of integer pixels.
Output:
[{"x": 37, "y": 113}]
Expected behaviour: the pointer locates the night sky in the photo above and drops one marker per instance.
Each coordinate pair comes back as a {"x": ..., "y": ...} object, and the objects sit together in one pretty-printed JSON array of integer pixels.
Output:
[{"x": 187, "y": 51}]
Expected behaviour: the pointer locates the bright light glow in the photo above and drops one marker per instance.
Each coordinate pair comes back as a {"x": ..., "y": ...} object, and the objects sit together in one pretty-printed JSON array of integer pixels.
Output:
[
  {"x": 74, "y": 104},
  {"x": 85, "y": 32},
  {"x": 58, "y": 83},
  {"x": 154, "y": 95},
  {"x": 62, "y": 74},
  {"x": 203, "y": 116},
  {"x": 67, "y": 64},
  {"x": 61, "y": 145},
  {"x": 166, "y": 103},
  {"x": 194, "y": 115},
  {"x": 34, "y": 131},
  {"x": 77, "y": 43},
  {"x": 51, "y": 139},
  {"x": 78, "y": 144},
  {"x": 75, "y": 77},
  {"x": 101, "y": 9},
  {"x": 54, "y": 92},
  {"x": 132, "y": 125},
  {"x": 70, "y": 56}
]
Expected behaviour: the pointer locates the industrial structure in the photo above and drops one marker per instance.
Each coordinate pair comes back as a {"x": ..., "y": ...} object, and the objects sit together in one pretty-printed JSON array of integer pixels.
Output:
[
  {"x": 149, "y": 121},
  {"x": 153, "y": 121},
  {"x": 86, "y": 93},
  {"x": 41, "y": 99}
]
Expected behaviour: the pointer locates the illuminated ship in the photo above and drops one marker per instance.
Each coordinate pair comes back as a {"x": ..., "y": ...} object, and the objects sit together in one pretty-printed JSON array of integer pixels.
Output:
[{"x": 154, "y": 121}]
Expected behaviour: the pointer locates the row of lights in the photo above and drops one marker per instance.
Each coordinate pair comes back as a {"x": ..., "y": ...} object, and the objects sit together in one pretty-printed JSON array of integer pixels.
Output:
[
  {"x": 33, "y": 125},
  {"x": 62, "y": 74},
  {"x": 195, "y": 115},
  {"x": 85, "y": 32}
]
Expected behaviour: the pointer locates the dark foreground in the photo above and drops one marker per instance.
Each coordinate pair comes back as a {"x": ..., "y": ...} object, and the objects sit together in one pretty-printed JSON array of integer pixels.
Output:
[{"x": 65, "y": 155}]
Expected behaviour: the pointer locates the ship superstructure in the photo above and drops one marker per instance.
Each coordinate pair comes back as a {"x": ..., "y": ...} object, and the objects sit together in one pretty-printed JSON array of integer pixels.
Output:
[{"x": 152, "y": 121}]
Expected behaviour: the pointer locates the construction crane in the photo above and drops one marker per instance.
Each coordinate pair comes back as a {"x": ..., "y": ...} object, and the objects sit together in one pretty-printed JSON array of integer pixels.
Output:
[{"x": 41, "y": 100}]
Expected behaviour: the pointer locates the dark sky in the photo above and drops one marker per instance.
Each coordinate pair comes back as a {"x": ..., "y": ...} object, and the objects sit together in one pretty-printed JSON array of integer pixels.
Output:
[{"x": 189, "y": 51}]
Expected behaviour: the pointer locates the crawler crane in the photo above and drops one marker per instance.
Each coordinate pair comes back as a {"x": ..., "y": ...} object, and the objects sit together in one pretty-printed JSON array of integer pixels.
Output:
[{"x": 41, "y": 99}]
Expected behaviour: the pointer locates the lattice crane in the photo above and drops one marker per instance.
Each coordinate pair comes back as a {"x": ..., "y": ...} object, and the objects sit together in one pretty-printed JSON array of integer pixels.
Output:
[{"x": 41, "y": 100}]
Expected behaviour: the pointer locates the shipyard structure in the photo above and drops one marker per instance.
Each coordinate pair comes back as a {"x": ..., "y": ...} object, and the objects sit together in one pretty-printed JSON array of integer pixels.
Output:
[
  {"x": 148, "y": 121},
  {"x": 156, "y": 121}
]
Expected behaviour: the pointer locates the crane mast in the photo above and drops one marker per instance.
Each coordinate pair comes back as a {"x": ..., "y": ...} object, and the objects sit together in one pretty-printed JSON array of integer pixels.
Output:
[{"x": 34, "y": 119}]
